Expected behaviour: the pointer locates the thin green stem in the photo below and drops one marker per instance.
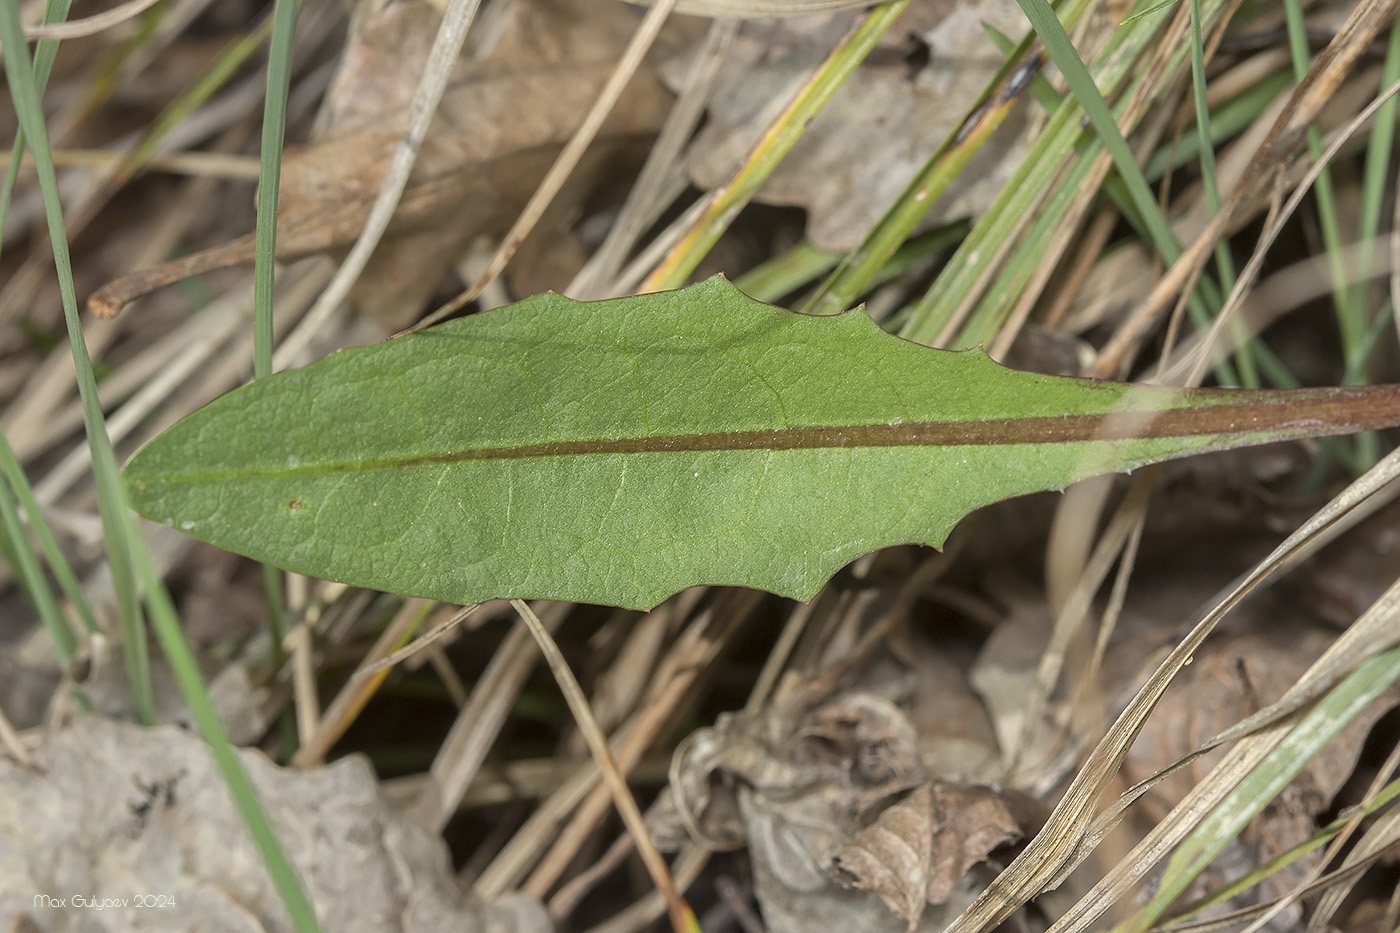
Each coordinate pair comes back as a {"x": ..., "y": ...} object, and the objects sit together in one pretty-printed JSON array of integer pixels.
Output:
[
  {"x": 24, "y": 92},
  {"x": 279, "y": 82}
]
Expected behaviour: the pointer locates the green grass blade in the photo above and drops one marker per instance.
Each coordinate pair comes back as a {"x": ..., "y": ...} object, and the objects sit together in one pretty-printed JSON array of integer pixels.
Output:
[
  {"x": 860, "y": 267},
  {"x": 24, "y": 93},
  {"x": 45, "y": 50},
  {"x": 279, "y": 81},
  {"x": 1225, "y": 266},
  {"x": 774, "y": 146},
  {"x": 185, "y": 667},
  {"x": 1314, "y": 730},
  {"x": 958, "y": 287},
  {"x": 1062, "y": 52},
  {"x": 126, "y": 550},
  {"x": 44, "y": 53},
  {"x": 1081, "y": 83},
  {"x": 14, "y": 474},
  {"x": 31, "y": 576},
  {"x": 1349, "y": 321}
]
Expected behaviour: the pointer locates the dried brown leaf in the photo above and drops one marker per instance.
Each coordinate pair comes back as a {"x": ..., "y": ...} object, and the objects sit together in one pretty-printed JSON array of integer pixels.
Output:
[
  {"x": 975, "y": 820},
  {"x": 823, "y": 800},
  {"x": 892, "y": 856},
  {"x": 497, "y": 131}
]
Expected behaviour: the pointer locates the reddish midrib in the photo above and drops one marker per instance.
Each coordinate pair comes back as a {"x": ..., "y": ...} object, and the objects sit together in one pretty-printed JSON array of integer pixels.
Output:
[
  {"x": 1303, "y": 412},
  {"x": 1289, "y": 413}
]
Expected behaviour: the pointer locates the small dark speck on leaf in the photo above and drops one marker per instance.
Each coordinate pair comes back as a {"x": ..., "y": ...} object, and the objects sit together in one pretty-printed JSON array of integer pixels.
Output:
[{"x": 296, "y": 504}]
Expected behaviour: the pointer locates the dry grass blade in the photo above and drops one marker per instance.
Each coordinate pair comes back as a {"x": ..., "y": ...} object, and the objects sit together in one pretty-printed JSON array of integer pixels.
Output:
[
  {"x": 1275, "y": 226},
  {"x": 676, "y": 678},
  {"x": 1126, "y": 522},
  {"x": 569, "y": 157},
  {"x": 682, "y": 920},
  {"x": 77, "y": 28},
  {"x": 447, "y": 46},
  {"x": 1071, "y": 831},
  {"x": 1328, "y": 72},
  {"x": 355, "y": 694},
  {"x": 649, "y": 195},
  {"x": 479, "y": 722},
  {"x": 196, "y": 164},
  {"x": 422, "y": 642},
  {"x": 12, "y": 744},
  {"x": 1261, "y": 729}
]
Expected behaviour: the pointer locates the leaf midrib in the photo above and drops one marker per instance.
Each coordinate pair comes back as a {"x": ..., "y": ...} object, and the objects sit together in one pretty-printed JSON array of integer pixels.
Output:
[{"x": 1282, "y": 413}]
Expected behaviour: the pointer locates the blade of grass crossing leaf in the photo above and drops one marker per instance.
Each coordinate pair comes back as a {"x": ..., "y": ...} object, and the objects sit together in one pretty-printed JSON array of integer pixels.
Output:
[
  {"x": 125, "y": 548},
  {"x": 24, "y": 94},
  {"x": 279, "y": 80},
  {"x": 1312, "y": 733},
  {"x": 773, "y": 147}
]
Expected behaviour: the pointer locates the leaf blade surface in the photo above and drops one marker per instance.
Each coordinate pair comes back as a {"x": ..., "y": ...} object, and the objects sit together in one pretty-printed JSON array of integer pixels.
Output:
[{"x": 622, "y": 450}]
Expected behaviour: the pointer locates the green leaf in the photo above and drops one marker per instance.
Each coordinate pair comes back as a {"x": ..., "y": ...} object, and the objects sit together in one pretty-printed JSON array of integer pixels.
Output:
[{"x": 618, "y": 451}]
